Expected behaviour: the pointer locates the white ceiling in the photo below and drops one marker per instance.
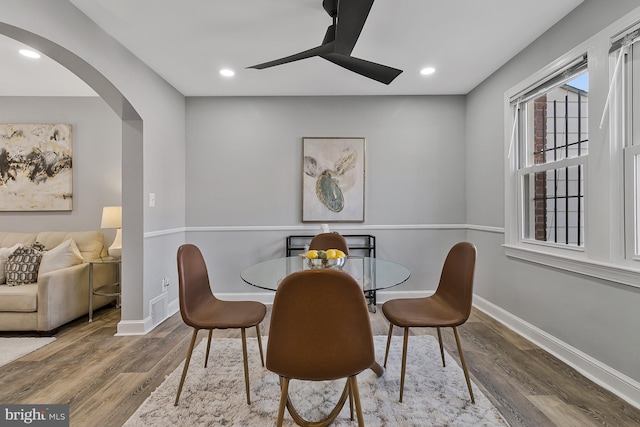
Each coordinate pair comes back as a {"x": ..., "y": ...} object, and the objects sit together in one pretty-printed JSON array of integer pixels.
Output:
[{"x": 188, "y": 41}]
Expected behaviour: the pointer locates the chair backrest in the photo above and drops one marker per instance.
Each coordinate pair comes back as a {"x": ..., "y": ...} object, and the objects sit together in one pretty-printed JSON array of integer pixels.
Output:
[
  {"x": 456, "y": 280},
  {"x": 193, "y": 283},
  {"x": 320, "y": 327},
  {"x": 329, "y": 241}
]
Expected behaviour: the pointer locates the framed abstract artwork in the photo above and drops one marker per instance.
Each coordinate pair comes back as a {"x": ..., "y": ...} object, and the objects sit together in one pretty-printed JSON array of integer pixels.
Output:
[
  {"x": 35, "y": 167},
  {"x": 333, "y": 172}
]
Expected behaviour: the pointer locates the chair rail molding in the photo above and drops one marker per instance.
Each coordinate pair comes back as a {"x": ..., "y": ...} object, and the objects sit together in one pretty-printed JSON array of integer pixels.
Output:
[
  {"x": 313, "y": 228},
  {"x": 351, "y": 227}
]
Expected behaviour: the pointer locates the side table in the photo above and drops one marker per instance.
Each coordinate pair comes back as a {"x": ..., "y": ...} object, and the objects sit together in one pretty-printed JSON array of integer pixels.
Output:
[{"x": 114, "y": 288}]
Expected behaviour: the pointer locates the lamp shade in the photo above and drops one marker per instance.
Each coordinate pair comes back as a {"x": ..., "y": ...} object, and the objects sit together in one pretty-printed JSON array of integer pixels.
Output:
[{"x": 111, "y": 217}]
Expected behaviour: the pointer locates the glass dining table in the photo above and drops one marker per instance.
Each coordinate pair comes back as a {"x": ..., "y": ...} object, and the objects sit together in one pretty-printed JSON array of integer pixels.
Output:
[{"x": 373, "y": 274}]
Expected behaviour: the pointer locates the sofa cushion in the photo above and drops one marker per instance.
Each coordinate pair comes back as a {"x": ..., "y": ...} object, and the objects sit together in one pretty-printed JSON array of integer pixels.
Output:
[
  {"x": 90, "y": 243},
  {"x": 8, "y": 239},
  {"x": 19, "y": 298},
  {"x": 23, "y": 264},
  {"x": 4, "y": 256},
  {"x": 66, "y": 254}
]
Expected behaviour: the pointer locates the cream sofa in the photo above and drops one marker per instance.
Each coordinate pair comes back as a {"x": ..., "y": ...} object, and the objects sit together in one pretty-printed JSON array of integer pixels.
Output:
[{"x": 58, "y": 296}]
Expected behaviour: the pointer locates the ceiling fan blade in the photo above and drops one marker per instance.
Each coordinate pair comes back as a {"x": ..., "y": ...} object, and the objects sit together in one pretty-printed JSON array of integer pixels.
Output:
[
  {"x": 349, "y": 17},
  {"x": 316, "y": 51},
  {"x": 352, "y": 14},
  {"x": 379, "y": 72}
]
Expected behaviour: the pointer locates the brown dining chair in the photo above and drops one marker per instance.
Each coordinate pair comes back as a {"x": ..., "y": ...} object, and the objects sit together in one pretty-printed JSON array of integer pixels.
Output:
[
  {"x": 329, "y": 241},
  {"x": 200, "y": 309},
  {"x": 320, "y": 331},
  {"x": 449, "y": 306}
]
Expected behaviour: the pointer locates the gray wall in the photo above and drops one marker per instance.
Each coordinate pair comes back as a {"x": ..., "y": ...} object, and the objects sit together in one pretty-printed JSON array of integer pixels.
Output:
[
  {"x": 245, "y": 157},
  {"x": 244, "y": 176},
  {"x": 152, "y": 113},
  {"x": 600, "y": 319},
  {"x": 97, "y": 150}
]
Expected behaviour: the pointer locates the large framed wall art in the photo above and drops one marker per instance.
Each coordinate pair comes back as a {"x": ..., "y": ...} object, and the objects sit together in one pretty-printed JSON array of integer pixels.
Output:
[
  {"x": 35, "y": 167},
  {"x": 333, "y": 173}
]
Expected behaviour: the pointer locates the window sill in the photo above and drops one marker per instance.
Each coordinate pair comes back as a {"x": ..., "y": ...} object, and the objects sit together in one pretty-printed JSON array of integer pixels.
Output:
[{"x": 612, "y": 272}]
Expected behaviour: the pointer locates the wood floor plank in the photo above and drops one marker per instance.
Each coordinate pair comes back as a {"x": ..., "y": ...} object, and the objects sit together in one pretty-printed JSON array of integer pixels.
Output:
[
  {"x": 106, "y": 403},
  {"x": 565, "y": 415},
  {"x": 505, "y": 333},
  {"x": 105, "y": 378},
  {"x": 500, "y": 389}
]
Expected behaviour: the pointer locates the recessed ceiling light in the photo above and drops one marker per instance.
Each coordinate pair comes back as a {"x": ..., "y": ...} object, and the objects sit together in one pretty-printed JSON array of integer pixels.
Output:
[
  {"x": 427, "y": 71},
  {"x": 29, "y": 53},
  {"x": 227, "y": 72}
]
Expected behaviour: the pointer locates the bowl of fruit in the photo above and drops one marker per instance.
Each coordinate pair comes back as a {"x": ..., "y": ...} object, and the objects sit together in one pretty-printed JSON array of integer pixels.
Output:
[{"x": 330, "y": 258}]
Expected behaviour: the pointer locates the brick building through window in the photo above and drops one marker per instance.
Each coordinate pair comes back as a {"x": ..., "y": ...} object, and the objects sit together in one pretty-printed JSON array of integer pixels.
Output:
[{"x": 559, "y": 132}]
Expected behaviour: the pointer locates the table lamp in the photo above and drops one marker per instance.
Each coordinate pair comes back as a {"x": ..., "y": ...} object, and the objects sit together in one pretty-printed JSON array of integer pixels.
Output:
[{"x": 112, "y": 218}]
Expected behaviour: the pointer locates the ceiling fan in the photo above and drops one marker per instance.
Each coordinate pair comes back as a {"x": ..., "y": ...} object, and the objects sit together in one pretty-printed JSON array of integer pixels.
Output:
[{"x": 349, "y": 17}]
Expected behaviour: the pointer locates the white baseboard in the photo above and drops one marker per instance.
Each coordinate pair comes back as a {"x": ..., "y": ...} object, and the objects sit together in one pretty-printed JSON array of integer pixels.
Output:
[
  {"x": 174, "y": 307},
  {"x": 267, "y": 297},
  {"x": 616, "y": 382},
  {"x": 144, "y": 326},
  {"x": 384, "y": 296},
  {"x": 134, "y": 327}
]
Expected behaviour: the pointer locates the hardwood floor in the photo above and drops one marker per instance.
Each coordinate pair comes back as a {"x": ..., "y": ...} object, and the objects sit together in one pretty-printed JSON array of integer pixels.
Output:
[{"x": 105, "y": 378}]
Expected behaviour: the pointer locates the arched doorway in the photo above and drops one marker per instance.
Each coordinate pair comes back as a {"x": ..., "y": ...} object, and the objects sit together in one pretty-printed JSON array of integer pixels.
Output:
[{"x": 132, "y": 160}]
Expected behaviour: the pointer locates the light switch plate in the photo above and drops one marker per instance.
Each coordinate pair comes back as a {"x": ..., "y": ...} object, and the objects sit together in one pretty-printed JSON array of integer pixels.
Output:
[{"x": 152, "y": 200}]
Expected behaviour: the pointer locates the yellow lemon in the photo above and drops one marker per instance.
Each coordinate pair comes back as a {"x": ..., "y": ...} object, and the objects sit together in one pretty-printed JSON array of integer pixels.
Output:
[
  {"x": 312, "y": 254},
  {"x": 332, "y": 253},
  {"x": 340, "y": 254}
]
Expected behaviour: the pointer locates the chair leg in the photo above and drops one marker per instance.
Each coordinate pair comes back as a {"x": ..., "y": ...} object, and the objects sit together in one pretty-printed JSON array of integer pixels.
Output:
[
  {"x": 284, "y": 395},
  {"x": 186, "y": 366},
  {"x": 464, "y": 364},
  {"x": 386, "y": 353},
  {"x": 260, "y": 344},
  {"x": 298, "y": 419},
  {"x": 404, "y": 361},
  {"x": 206, "y": 357},
  {"x": 441, "y": 347},
  {"x": 246, "y": 364},
  {"x": 353, "y": 384},
  {"x": 350, "y": 399}
]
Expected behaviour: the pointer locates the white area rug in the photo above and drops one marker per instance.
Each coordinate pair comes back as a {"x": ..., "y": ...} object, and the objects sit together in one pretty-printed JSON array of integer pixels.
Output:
[
  {"x": 215, "y": 396},
  {"x": 14, "y": 348}
]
